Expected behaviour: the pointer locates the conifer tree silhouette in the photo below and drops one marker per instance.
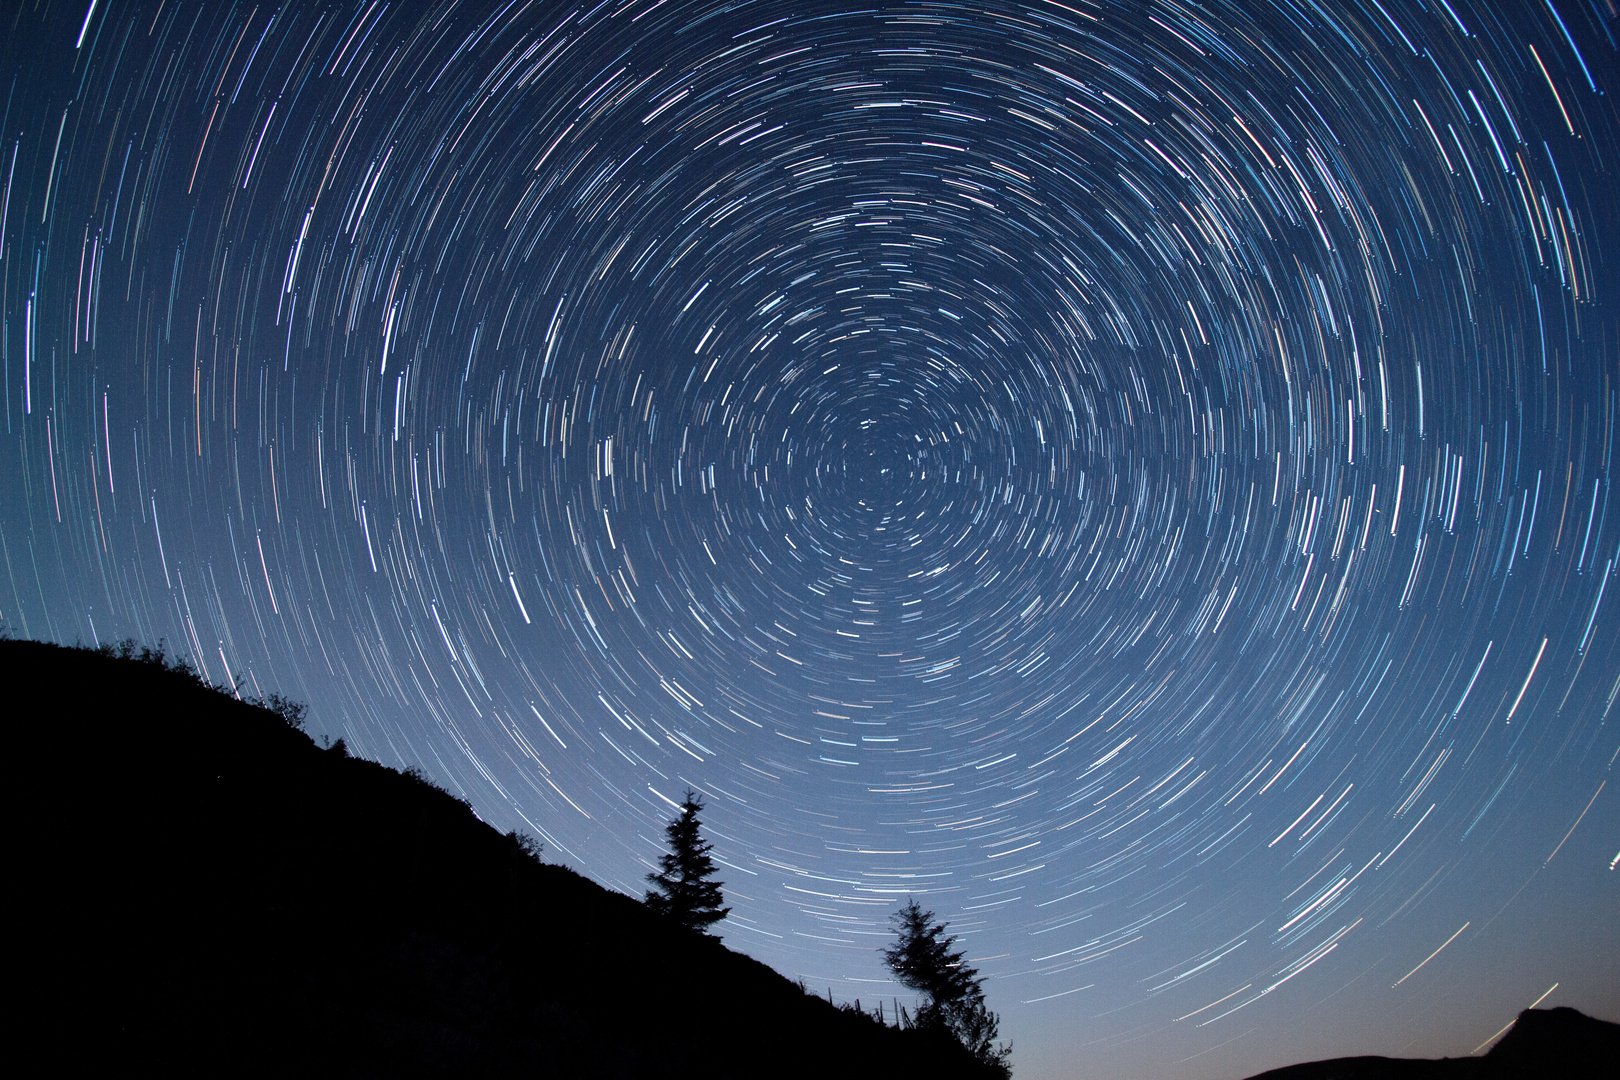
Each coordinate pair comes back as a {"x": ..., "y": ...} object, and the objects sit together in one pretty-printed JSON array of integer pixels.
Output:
[
  {"x": 923, "y": 960},
  {"x": 682, "y": 889}
]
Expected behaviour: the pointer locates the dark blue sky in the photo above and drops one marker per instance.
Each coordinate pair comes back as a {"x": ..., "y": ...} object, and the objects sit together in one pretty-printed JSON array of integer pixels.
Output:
[{"x": 1135, "y": 477}]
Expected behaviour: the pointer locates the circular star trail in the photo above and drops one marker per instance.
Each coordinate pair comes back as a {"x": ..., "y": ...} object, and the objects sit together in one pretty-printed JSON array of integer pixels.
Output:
[{"x": 1134, "y": 477}]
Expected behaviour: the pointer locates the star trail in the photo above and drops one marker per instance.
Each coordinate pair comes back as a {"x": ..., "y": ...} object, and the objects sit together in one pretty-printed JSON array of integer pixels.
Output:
[{"x": 1133, "y": 476}]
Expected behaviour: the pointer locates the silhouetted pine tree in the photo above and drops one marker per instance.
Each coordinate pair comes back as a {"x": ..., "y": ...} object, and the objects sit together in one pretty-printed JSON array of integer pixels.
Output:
[
  {"x": 922, "y": 960},
  {"x": 682, "y": 889}
]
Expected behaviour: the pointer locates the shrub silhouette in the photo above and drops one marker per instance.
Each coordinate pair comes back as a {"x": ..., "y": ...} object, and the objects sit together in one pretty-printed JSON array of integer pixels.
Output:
[
  {"x": 526, "y": 846},
  {"x": 292, "y": 712}
]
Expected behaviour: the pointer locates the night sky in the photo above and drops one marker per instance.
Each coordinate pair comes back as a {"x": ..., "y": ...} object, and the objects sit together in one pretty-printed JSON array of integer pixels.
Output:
[{"x": 1134, "y": 476}]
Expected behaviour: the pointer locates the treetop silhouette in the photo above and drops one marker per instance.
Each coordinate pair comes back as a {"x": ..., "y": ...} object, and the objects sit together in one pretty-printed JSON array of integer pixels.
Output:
[{"x": 682, "y": 889}]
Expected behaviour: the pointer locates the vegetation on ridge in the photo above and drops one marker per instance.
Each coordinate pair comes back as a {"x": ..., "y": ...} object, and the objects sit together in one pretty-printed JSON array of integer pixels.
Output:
[
  {"x": 212, "y": 890},
  {"x": 923, "y": 960}
]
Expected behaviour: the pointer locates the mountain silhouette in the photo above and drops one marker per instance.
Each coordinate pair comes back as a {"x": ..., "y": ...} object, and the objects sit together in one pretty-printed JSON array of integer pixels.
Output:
[
  {"x": 1543, "y": 1044},
  {"x": 203, "y": 889}
]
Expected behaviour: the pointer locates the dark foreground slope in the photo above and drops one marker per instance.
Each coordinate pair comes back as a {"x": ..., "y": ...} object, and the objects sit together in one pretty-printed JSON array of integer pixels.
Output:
[
  {"x": 203, "y": 889},
  {"x": 1543, "y": 1044}
]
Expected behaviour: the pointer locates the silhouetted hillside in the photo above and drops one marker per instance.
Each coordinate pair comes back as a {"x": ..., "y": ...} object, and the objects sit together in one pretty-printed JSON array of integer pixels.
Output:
[
  {"x": 1543, "y": 1044},
  {"x": 206, "y": 890}
]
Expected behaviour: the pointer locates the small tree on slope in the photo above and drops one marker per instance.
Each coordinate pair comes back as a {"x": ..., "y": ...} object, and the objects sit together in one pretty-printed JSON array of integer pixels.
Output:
[
  {"x": 682, "y": 889},
  {"x": 923, "y": 960}
]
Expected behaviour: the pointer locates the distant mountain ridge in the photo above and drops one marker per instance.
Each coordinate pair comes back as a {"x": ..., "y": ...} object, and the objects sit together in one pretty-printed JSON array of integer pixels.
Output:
[
  {"x": 205, "y": 890},
  {"x": 1543, "y": 1044}
]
